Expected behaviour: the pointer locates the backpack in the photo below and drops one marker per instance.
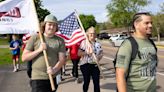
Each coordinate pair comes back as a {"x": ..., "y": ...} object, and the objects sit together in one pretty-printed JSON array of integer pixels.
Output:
[{"x": 134, "y": 46}]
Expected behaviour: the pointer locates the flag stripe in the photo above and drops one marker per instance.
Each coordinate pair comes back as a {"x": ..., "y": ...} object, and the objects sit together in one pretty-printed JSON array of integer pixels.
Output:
[
  {"x": 75, "y": 38},
  {"x": 75, "y": 41}
]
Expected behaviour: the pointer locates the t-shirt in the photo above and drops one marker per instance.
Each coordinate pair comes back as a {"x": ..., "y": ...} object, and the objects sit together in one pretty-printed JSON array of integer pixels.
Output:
[
  {"x": 55, "y": 45},
  {"x": 86, "y": 58},
  {"x": 142, "y": 74},
  {"x": 13, "y": 44},
  {"x": 74, "y": 51}
]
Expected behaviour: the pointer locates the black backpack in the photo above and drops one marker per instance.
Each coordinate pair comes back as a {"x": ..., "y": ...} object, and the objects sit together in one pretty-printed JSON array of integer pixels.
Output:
[{"x": 134, "y": 52}]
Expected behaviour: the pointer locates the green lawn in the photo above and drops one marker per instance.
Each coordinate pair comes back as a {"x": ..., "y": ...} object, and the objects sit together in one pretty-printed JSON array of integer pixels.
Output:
[
  {"x": 5, "y": 56},
  {"x": 4, "y": 41}
]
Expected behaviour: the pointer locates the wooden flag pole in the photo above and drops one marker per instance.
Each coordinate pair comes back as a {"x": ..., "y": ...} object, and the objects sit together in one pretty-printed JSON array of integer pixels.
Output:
[
  {"x": 44, "y": 51},
  {"x": 94, "y": 56}
]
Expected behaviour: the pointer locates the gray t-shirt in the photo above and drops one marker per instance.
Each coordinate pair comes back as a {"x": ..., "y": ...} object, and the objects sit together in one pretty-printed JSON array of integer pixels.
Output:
[
  {"x": 55, "y": 45},
  {"x": 142, "y": 76}
]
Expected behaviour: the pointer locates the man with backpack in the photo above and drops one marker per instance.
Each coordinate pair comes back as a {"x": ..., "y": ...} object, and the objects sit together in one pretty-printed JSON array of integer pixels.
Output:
[{"x": 136, "y": 59}]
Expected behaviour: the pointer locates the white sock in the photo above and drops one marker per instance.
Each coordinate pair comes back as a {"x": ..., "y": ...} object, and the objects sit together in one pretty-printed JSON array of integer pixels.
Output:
[{"x": 17, "y": 66}]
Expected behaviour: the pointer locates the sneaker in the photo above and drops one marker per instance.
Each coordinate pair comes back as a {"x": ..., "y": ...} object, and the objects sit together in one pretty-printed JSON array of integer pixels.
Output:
[
  {"x": 18, "y": 67},
  {"x": 71, "y": 74},
  {"x": 15, "y": 70},
  {"x": 77, "y": 80}
]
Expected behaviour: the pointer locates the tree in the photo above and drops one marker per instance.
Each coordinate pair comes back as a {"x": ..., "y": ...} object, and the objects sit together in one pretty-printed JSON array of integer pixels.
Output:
[
  {"x": 162, "y": 7},
  {"x": 87, "y": 21},
  {"x": 40, "y": 11},
  {"x": 158, "y": 23},
  {"x": 120, "y": 11}
]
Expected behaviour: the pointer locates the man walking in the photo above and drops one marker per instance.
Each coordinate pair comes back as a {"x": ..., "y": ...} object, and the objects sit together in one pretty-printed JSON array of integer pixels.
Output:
[{"x": 142, "y": 71}]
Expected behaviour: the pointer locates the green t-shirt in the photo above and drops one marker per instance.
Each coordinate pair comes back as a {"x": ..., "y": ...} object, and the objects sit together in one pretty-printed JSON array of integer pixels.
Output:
[
  {"x": 142, "y": 74},
  {"x": 55, "y": 45}
]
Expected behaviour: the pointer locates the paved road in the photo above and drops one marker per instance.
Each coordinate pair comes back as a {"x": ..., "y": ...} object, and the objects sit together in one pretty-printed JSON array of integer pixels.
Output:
[
  {"x": 13, "y": 82},
  {"x": 18, "y": 81}
]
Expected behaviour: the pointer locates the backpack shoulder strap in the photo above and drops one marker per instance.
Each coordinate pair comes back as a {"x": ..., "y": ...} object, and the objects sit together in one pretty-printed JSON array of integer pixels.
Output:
[
  {"x": 134, "y": 47},
  {"x": 152, "y": 42}
]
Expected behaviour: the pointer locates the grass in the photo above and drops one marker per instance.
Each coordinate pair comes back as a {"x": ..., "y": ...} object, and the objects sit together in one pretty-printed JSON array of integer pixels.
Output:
[
  {"x": 4, "y": 41},
  {"x": 5, "y": 56}
]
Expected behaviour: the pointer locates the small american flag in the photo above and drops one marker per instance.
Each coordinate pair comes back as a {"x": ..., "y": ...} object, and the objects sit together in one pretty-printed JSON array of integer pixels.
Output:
[{"x": 70, "y": 30}]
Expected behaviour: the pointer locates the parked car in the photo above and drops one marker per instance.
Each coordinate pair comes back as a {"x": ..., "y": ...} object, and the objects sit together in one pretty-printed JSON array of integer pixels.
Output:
[
  {"x": 118, "y": 41},
  {"x": 116, "y": 36},
  {"x": 103, "y": 35}
]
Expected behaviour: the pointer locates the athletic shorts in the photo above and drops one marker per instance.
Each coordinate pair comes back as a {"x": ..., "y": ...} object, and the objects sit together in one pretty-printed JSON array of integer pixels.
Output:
[{"x": 15, "y": 57}]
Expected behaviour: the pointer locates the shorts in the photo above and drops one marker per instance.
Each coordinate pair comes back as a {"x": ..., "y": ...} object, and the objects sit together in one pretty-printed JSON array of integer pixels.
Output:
[
  {"x": 42, "y": 85},
  {"x": 15, "y": 57}
]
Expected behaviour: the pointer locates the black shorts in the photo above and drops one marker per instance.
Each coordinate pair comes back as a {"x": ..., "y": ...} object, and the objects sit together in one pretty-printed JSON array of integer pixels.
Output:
[{"x": 42, "y": 85}]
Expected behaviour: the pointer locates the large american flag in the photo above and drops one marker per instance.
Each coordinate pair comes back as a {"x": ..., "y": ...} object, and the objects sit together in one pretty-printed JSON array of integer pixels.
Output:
[{"x": 70, "y": 30}]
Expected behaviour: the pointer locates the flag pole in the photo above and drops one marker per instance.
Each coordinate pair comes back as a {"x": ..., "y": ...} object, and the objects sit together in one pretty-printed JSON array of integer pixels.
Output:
[
  {"x": 44, "y": 51},
  {"x": 77, "y": 16}
]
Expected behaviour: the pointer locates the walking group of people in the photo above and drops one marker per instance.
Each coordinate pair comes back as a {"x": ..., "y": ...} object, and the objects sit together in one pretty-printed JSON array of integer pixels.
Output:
[{"x": 141, "y": 75}]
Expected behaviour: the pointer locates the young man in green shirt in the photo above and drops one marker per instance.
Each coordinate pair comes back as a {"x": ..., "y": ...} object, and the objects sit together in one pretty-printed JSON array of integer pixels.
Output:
[
  {"x": 142, "y": 71},
  {"x": 55, "y": 48}
]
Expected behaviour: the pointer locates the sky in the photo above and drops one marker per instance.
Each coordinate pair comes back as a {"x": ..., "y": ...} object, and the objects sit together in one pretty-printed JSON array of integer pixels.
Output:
[{"x": 62, "y": 8}]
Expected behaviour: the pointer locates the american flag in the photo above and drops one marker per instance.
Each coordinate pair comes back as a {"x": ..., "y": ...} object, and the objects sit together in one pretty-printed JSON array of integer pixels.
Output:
[{"x": 70, "y": 31}]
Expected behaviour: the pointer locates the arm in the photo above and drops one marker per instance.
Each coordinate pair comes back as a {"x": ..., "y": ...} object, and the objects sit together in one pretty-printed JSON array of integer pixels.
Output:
[
  {"x": 81, "y": 53},
  {"x": 28, "y": 55},
  {"x": 88, "y": 51},
  {"x": 61, "y": 59},
  {"x": 61, "y": 62},
  {"x": 11, "y": 48},
  {"x": 58, "y": 66},
  {"x": 120, "y": 79},
  {"x": 24, "y": 42},
  {"x": 122, "y": 64},
  {"x": 99, "y": 57}
]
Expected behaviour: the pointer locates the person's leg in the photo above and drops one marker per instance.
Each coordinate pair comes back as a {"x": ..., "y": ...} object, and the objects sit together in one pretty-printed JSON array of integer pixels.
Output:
[
  {"x": 17, "y": 62},
  {"x": 76, "y": 68},
  {"x": 14, "y": 63},
  {"x": 73, "y": 68},
  {"x": 86, "y": 76},
  {"x": 63, "y": 69},
  {"x": 42, "y": 86},
  {"x": 29, "y": 68},
  {"x": 95, "y": 73}
]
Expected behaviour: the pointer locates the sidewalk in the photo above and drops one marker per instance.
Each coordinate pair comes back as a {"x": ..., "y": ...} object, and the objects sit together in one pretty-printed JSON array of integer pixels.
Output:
[
  {"x": 19, "y": 82},
  {"x": 160, "y": 44},
  {"x": 69, "y": 84}
]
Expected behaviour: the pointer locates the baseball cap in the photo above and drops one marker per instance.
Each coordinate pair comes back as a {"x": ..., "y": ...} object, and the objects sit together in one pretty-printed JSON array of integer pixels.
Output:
[{"x": 50, "y": 18}]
